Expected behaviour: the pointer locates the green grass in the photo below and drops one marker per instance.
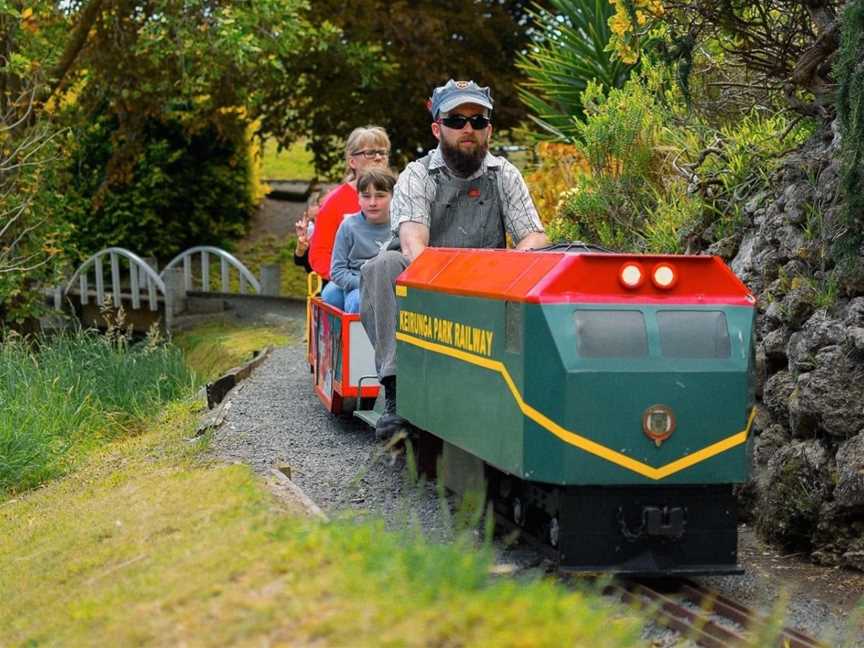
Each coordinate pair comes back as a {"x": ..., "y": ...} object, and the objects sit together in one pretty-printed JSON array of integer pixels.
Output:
[
  {"x": 293, "y": 163},
  {"x": 149, "y": 544},
  {"x": 211, "y": 349},
  {"x": 62, "y": 396}
]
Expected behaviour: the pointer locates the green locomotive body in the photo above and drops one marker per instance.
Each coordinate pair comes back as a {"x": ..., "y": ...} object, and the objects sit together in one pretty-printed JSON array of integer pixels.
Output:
[{"x": 614, "y": 417}]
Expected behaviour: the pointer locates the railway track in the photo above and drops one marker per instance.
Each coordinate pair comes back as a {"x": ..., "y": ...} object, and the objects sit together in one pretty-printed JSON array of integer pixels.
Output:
[
  {"x": 708, "y": 618},
  {"x": 704, "y": 616}
]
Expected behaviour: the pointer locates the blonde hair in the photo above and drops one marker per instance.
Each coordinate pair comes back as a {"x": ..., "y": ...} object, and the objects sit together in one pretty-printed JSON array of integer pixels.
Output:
[{"x": 359, "y": 139}]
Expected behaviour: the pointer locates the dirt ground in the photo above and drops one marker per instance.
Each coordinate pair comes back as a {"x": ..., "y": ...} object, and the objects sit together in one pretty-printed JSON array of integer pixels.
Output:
[
  {"x": 823, "y": 602},
  {"x": 843, "y": 589}
]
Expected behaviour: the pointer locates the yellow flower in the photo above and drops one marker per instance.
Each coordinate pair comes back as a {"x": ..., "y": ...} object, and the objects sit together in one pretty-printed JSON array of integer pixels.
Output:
[
  {"x": 619, "y": 24},
  {"x": 641, "y": 18},
  {"x": 627, "y": 55}
]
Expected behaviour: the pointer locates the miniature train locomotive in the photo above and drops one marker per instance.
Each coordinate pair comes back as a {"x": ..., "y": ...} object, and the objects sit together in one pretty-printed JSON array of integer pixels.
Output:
[{"x": 603, "y": 400}]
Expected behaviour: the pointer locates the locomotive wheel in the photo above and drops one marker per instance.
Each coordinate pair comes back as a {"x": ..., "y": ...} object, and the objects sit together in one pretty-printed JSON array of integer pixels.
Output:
[
  {"x": 554, "y": 532},
  {"x": 518, "y": 512}
]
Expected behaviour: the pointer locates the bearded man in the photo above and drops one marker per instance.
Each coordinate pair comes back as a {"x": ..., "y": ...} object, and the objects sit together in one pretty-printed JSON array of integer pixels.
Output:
[{"x": 458, "y": 195}]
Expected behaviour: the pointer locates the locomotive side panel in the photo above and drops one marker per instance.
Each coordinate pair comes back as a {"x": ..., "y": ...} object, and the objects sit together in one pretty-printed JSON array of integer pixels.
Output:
[{"x": 452, "y": 365}]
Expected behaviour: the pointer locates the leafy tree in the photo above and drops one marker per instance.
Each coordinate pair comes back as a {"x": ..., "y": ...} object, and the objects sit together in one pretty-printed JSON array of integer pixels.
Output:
[
  {"x": 569, "y": 51},
  {"x": 153, "y": 101},
  {"x": 417, "y": 45}
]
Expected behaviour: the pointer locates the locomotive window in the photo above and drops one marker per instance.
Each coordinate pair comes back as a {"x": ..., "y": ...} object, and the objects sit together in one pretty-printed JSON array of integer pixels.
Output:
[
  {"x": 610, "y": 334},
  {"x": 693, "y": 334}
]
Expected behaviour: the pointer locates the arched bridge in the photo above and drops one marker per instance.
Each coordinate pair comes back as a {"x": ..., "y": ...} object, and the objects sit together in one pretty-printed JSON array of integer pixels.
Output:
[{"x": 116, "y": 277}]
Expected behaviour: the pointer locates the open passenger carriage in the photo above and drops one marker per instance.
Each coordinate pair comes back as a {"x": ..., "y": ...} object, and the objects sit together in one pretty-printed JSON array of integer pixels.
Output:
[{"x": 340, "y": 355}]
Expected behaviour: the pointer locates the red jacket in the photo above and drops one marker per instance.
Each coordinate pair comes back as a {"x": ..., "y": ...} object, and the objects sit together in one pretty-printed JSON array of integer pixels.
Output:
[{"x": 336, "y": 204}]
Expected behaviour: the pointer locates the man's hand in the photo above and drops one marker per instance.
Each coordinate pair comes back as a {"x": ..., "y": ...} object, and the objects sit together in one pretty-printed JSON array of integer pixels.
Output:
[
  {"x": 533, "y": 240},
  {"x": 414, "y": 238}
]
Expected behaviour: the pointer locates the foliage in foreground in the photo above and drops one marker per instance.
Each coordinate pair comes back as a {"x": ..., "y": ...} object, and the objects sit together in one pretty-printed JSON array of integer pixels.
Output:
[
  {"x": 62, "y": 396},
  {"x": 149, "y": 545}
]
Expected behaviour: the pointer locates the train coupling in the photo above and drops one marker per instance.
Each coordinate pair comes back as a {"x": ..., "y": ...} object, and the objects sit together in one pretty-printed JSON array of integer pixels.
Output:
[{"x": 656, "y": 522}]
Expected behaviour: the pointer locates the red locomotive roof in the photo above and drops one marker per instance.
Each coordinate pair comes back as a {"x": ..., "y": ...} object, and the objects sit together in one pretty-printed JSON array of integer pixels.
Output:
[{"x": 548, "y": 277}]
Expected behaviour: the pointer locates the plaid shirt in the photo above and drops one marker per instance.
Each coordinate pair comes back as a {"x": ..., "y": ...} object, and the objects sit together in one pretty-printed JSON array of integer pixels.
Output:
[{"x": 415, "y": 191}]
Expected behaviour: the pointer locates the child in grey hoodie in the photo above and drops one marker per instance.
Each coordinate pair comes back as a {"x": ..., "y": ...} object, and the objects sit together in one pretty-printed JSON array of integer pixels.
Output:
[{"x": 359, "y": 238}]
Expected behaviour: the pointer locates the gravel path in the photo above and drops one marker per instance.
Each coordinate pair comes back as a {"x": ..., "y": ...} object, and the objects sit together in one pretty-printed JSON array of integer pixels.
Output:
[{"x": 276, "y": 419}]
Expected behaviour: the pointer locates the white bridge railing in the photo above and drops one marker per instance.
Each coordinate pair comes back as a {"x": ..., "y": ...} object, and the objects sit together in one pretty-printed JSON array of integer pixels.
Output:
[
  {"x": 133, "y": 276},
  {"x": 226, "y": 262},
  {"x": 121, "y": 262}
]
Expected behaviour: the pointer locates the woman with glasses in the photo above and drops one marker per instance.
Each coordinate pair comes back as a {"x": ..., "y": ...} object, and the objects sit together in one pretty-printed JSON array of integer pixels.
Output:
[{"x": 367, "y": 147}]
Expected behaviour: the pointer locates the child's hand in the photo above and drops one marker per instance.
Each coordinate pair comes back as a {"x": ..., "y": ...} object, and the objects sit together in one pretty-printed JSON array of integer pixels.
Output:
[{"x": 301, "y": 227}]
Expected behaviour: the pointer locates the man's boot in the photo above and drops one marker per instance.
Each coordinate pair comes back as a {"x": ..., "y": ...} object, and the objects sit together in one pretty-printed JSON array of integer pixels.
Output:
[{"x": 389, "y": 423}]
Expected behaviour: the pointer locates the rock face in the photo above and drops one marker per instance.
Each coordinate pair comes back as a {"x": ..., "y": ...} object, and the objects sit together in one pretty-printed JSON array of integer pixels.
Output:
[{"x": 807, "y": 492}]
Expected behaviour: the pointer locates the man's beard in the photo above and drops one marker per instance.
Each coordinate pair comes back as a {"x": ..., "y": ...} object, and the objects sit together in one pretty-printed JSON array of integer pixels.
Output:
[{"x": 464, "y": 163}]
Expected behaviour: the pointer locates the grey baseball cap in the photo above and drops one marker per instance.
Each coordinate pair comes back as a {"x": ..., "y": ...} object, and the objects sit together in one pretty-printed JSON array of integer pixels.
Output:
[{"x": 455, "y": 93}]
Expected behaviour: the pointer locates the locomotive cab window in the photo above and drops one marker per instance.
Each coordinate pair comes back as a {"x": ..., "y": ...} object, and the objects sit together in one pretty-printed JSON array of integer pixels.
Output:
[
  {"x": 693, "y": 334},
  {"x": 610, "y": 334}
]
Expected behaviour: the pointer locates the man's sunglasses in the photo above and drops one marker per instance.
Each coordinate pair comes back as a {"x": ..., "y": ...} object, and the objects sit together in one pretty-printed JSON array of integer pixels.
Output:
[
  {"x": 370, "y": 154},
  {"x": 457, "y": 122}
]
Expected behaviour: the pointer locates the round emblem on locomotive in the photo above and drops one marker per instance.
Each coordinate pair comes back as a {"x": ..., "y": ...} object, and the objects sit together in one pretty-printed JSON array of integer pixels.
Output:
[{"x": 658, "y": 423}]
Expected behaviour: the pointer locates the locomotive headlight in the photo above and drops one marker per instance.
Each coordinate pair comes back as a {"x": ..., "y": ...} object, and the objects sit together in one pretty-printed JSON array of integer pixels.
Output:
[
  {"x": 658, "y": 423},
  {"x": 631, "y": 275},
  {"x": 664, "y": 276}
]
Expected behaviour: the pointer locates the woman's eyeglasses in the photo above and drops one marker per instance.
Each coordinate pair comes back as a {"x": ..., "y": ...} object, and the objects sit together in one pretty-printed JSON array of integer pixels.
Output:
[
  {"x": 457, "y": 122},
  {"x": 371, "y": 154}
]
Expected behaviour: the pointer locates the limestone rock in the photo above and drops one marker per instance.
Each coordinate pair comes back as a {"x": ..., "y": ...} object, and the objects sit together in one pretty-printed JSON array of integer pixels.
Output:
[
  {"x": 855, "y": 336},
  {"x": 766, "y": 445},
  {"x": 855, "y": 312},
  {"x": 794, "y": 487},
  {"x": 773, "y": 317},
  {"x": 798, "y": 306},
  {"x": 818, "y": 332},
  {"x": 849, "y": 492},
  {"x": 774, "y": 348},
  {"x": 726, "y": 248},
  {"x": 830, "y": 398},
  {"x": 775, "y": 395},
  {"x": 742, "y": 264}
]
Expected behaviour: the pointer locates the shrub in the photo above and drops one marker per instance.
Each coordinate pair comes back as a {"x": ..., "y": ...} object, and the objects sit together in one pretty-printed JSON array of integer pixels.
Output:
[
  {"x": 658, "y": 177},
  {"x": 177, "y": 187},
  {"x": 628, "y": 172},
  {"x": 31, "y": 241},
  {"x": 560, "y": 165}
]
